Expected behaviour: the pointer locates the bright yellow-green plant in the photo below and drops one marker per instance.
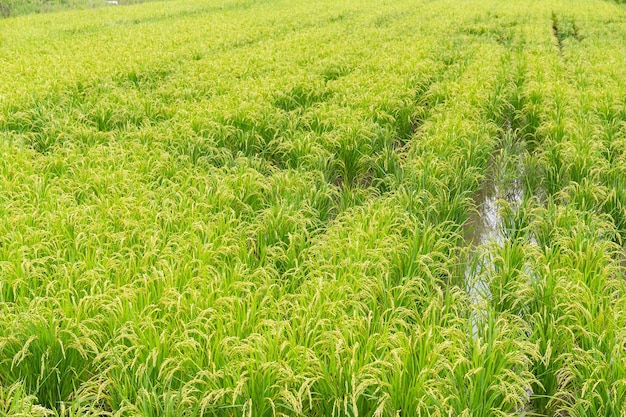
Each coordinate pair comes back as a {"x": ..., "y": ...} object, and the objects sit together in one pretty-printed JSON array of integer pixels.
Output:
[{"x": 330, "y": 208}]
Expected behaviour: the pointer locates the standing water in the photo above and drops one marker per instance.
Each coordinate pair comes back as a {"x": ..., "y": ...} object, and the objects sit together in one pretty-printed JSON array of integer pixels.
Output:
[{"x": 485, "y": 228}]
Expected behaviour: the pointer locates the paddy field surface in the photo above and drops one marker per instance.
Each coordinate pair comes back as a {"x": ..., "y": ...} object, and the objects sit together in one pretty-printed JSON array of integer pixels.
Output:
[{"x": 314, "y": 208}]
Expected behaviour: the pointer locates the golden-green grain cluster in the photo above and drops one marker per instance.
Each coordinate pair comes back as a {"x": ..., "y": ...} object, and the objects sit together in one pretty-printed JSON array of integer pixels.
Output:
[{"x": 314, "y": 208}]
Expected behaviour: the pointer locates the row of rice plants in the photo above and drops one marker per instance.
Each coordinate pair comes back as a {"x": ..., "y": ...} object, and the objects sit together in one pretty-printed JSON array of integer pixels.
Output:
[{"x": 561, "y": 247}]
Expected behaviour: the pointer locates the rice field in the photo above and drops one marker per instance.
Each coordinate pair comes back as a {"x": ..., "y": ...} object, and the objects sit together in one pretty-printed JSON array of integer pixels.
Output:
[
  {"x": 9, "y": 8},
  {"x": 330, "y": 208}
]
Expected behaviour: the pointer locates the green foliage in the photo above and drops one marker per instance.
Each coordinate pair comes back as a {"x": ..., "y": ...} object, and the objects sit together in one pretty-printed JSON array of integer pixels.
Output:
[
  {"x": 353, "y": 208},
  {"x": 10, "y": 8}
]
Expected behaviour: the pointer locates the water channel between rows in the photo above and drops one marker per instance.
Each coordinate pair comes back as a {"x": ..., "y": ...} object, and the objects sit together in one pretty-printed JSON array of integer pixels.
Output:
[{"x": 486, "y": 228}]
